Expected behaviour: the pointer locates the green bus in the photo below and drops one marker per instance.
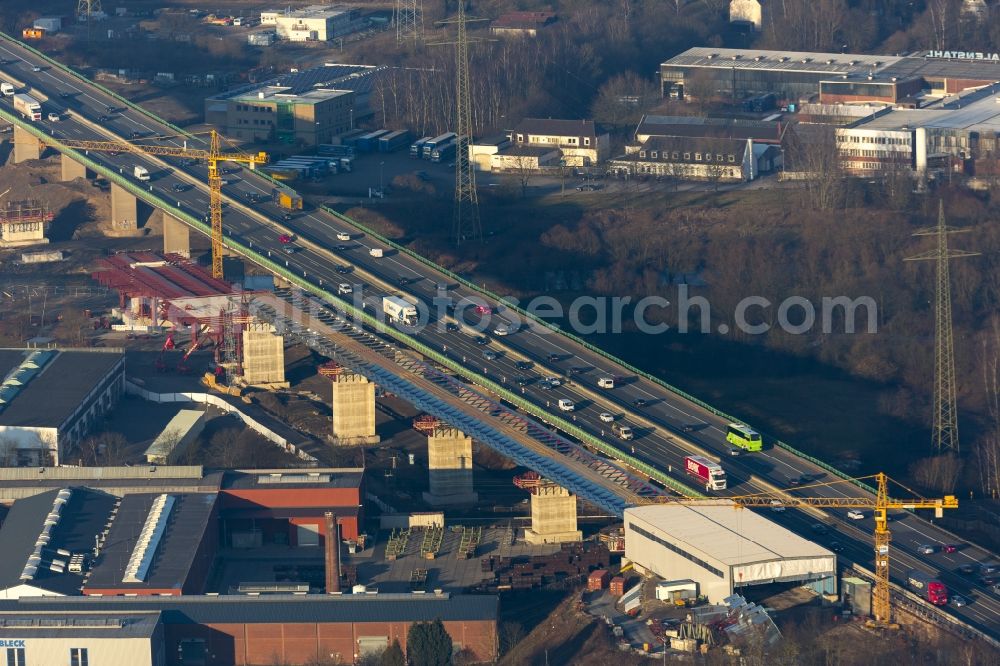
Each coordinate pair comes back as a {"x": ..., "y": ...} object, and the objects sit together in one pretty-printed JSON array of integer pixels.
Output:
[{"x": 743, "y": 437}]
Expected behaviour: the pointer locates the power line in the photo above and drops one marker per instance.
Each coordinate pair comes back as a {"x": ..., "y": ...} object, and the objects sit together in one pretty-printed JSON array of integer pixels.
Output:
[
  {"x": 408, "y": 16},
  {"x": 945, "y": 431}
]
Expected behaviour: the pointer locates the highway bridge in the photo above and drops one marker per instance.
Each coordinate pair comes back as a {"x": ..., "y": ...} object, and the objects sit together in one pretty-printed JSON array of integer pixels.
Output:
[{"x": 670, "y": 424}]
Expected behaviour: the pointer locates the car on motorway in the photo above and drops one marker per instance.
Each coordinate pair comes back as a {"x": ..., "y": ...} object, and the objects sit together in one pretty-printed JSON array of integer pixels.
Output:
[
  {"x": 342, "y": 236},
  {"x": 501, "y": 330},
  {"x": 926, "y": 549},
  {"x": 452, "y": 327},
  {"x": 443, "y": 286},
  {"x": 343, "y": 289},
  {"x": 553, "y": 381},
  {"x": 958, "y": 600},
  {"x": 545, "y": 386},
  {"x": 587, "y": 187},
  {"x": 777, "y": 506},
  {"x": 36, "y": 68},
  {"x": 606, "y": 417},
  {"x": 291, "y": 249},
  {"x": 489, "y": 355},
  {"x": 285, "y": 238},
  {"x": 854, "y": 514},
  {"x": 343, "y": 270},
  {"x": 65, "y": 93},
  {"x": 342, "y": 248},
  {"x": 552, "y": 358},
  {"x": 54, "y": 117},
  {"x": 103, "y": 119},
  {"x": 482, "y": 340},
  {"x": 966, "y": 570},
  {"x": 180, "y": 187},
  {"x": 135, "y": 135},
  {"x": 524, "y": 365},
  {"x": 251, "y": 197},
  {"x": 111, "y": 109},
  {"x": 521, "y": 380},
  {"x": 483, "y": 309},
  {"x": 819, "y": 528},
  {"x": 989, "y": 569},
  {"x": 836, "y": 546},
  {"x": 639, "y": 402},
  {"x": 566, "y": 405},
  {"x": 950, "y": 548}
]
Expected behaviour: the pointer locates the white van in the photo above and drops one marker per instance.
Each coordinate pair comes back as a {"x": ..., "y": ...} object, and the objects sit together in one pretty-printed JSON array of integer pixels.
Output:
[
  {"x": 566, "y": 405},
  {"x": 375, "y": 252},
  {"x": 342, "y": 236},
  {"x": 343, "y": 289},
  {"x": 141, "y": 173},
  {"x": 606, "y": 382},
  {"x": 7, "y": 89}
]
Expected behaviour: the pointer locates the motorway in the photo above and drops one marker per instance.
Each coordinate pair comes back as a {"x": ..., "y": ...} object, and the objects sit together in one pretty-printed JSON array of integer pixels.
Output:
[{"x": 664, "y": 426}]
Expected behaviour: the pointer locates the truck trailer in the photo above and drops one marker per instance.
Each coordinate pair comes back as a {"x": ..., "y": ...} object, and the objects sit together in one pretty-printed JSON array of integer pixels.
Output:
[
  {"x": 428, "y": 148},
  {"x": 417, "y": 147},
  {"x": 445, "y": 152},
  {"x": 393, "y": 141},
  {"x": 707, "y": 471},
  {"x": 399, "y": 311},
  {"x": 28, "y": 106},
  {"x": 928, "y": 587}
]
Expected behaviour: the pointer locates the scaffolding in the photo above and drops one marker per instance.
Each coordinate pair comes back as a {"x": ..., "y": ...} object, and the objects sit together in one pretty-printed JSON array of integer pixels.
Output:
[{"x": 24, "y": 221}]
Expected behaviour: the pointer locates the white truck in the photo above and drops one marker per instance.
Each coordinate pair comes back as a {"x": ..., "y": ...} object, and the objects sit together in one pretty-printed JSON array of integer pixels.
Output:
[
  {"x": 622, "y": 431},
  {"x": 28, "y": 106},
  {"x": 6, "y": 88},
  {"x": 141, "y": 173},
  {"x": 376, "y": 252},
  {"x": 399, "y": 311}
]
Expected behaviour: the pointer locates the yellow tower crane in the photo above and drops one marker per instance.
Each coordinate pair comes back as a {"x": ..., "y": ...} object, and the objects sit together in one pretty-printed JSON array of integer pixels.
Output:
[
  {"x": 212, "y": 157},
  {"x": 881, "y": 503}
]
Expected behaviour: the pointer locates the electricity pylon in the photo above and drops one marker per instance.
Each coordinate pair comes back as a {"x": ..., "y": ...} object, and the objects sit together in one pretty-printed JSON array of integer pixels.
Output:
[
  {"x": 87, "y": 8},
  {"x": 466, "y": 225},
  {"x": 409, "y": 19},
  {"x": 945, "y": 433}
]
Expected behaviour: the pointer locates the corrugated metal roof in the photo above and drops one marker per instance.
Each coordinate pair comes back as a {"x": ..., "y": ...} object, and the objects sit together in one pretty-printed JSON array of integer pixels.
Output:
[
  {"x": 279, "y": 608},
  {"x": 790, "y": 61},
  {"x": 731, "y": 536}
]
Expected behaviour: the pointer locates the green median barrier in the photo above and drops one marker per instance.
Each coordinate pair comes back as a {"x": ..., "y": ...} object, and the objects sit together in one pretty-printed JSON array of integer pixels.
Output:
[
  {"x": 81, "y": 77},
  {"x": 597, "y": 350}
]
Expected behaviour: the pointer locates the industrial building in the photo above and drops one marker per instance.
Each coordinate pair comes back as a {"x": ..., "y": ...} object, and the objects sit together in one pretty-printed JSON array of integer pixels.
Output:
[
  {"x": 578, "y": 141},
  {"x": 522, "y": 24},
  {"x": 158, "y": 531},
  {"x": 722, "y": 548},
  {"x": 238, "y": 630},
  {"x": 317, "y": 23},
  {"x": 798, "y": 77},
  {"x": 50, "y": 399},
  {"x": 698, "y": 148},
  {"x": 308, "y": 107}
]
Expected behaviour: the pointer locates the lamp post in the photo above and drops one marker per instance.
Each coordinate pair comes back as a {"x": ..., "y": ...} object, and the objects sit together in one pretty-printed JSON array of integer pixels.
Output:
[{"x": 380, "y": 167}]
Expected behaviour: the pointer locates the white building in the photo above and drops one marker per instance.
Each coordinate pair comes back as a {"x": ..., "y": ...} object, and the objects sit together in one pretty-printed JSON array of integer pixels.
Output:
[
  {"x": 748, "y": 12},
  {"x": 318, "y": 23},
  {"x": 722, "y": 548}
]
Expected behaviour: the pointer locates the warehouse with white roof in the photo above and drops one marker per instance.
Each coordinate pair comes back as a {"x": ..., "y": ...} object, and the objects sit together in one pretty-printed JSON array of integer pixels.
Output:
[{"x": 723, "y": 548}]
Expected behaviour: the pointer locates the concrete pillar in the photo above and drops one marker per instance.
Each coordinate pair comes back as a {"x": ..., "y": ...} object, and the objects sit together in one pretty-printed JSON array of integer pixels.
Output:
[
  {"x": 553, "y": 516},
  {"x": 263, "y": 356},
  {"x": 176, "y": 236},
  {"x": 26, "y": 146},
  {"x": 124, "y": 209},
  {"x": 449, "y": 462},
  {"x": 353, "y": 410},
  {"x": 71, "y": 169}
]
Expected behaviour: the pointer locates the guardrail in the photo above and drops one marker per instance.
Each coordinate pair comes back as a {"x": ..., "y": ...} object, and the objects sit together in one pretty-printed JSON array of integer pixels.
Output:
[
  {"x": 597, "y": 350},
  {"x": 89, "y": 82},
  {"x": 499, "y": 390}
]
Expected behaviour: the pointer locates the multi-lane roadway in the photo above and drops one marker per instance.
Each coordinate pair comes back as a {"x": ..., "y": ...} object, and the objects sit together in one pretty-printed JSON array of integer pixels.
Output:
[{"x": 667, "y": 426}]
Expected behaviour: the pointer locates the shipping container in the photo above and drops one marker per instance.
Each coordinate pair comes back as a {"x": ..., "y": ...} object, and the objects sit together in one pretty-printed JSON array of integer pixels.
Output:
[
  {"x": 598, "y": 580},
  {"x": 368, "y": 143},
  {"x": 393, "y": 141},
  {"x": 617, "y": 586}
]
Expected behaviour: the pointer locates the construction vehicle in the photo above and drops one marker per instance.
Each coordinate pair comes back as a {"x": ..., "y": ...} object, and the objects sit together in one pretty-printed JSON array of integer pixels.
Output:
[
  {"x": 881, "y": 504},
  {"x": 212, "y": 157},
  {"x": 168, "y": 344},
  {"x": 210, "y": 381}
]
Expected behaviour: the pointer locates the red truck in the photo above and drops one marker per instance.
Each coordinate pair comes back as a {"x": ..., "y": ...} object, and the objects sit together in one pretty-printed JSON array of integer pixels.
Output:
[
  {"x": 928, "y": 587},
  {"x": 708, "y": 471}
]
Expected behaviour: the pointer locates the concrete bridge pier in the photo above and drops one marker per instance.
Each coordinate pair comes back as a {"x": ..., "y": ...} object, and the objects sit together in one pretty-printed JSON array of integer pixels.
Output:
[
  {"x": 26, "y": 146},
  {"x": 449, "y": 462},
  {"x": 553, "y": 516},
  {"x": 71, "y": 169},
  {"x": 353, "y": 410},
  {"x": 124, "y": 209},
  {"x": 176, "y": 236}
]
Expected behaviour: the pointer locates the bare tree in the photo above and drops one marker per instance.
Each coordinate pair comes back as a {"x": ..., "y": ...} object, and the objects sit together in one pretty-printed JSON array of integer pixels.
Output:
[{"x": 988, "y": 447}]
